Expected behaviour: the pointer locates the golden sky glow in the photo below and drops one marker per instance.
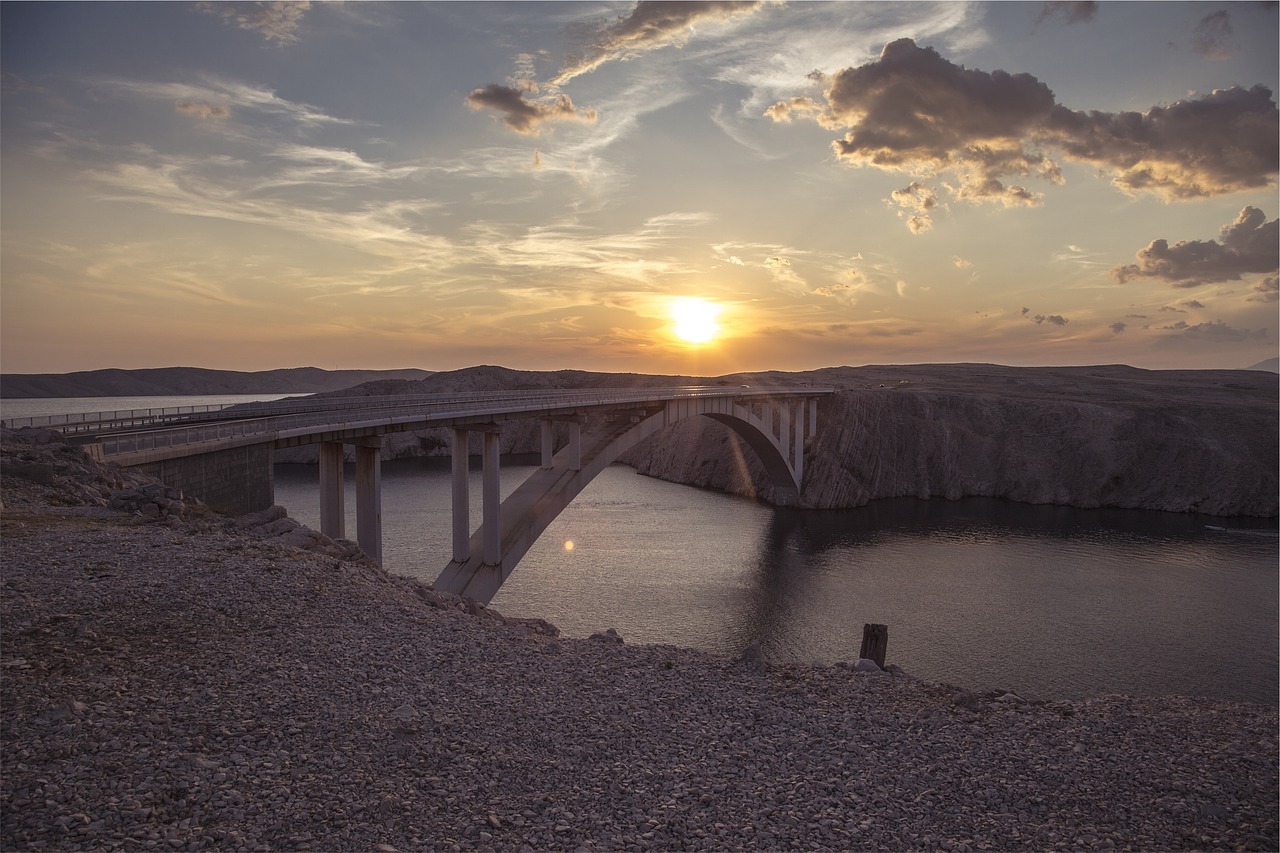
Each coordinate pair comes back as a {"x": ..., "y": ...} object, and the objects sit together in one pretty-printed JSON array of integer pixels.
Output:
[{"x": 437, "y": 185}]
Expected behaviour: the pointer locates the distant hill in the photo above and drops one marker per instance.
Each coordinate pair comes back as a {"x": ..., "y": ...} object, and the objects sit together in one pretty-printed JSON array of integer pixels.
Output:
[
  {"x": 1272, "y": 364},
  {"x": 182, "y": 381}
]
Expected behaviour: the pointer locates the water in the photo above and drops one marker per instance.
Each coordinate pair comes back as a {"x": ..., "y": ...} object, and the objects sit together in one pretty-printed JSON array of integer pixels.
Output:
[
  {"x": 1052, "y": 602},
  {"x": 45, "y": 406}
]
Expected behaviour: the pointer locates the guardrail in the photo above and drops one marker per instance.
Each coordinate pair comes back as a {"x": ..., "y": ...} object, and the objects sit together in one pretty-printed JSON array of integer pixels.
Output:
[{"x": 425, "y": 408}]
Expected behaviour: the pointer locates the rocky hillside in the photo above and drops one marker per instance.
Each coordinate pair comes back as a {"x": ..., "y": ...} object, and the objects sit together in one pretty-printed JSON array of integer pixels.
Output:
[
  {"x": 181, "y": 381},
  {"x": 1202, "y": 441},
  {"x": 1181, "y": 441}
]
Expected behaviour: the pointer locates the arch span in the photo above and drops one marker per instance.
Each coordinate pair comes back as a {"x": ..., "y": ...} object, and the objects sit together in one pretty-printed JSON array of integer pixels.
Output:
[{"x": 531, "y": 508}]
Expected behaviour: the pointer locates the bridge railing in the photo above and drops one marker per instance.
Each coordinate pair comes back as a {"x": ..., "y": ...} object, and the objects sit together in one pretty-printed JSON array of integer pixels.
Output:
[{"x": 386, "y": 411}]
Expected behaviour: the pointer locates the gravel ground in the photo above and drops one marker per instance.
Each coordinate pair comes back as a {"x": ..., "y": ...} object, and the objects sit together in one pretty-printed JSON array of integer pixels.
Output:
[{"x": 177, "y": 684}]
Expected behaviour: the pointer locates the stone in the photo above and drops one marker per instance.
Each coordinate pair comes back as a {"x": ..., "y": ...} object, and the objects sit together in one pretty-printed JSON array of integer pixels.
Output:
[
  {"x": 866, "y": 665},
  {"x": 40, "y": 473},
  {"x": 753, "y": 657},
  {"x": 609, "y": 635}
]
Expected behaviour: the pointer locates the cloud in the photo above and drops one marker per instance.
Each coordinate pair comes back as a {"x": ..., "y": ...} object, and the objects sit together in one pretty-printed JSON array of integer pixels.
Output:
[
  {"x": 1221, "y": 143},
  {"x": 652, "y": 24},
  {"x": 524, "y": 116},
  {"x": 913, "y": 111},
  {"x": 1267, "y": 290},
  {"x": 1250, "y": 244},
  {"x": 1118, "y": 327},
  {"x": 275, "y": 21},
  {"x": 223, "y": 94},
  {"x": 1193, "y": 303},
  {"x": 201, "y": 110},
  {"x": 1071, "y": 11},
  {"x": 1216, "y": 332},
  {"x": 1213, "y": 38},
  {"x": 1052, "y": 319},
  {"x": 920, "y": 198}
]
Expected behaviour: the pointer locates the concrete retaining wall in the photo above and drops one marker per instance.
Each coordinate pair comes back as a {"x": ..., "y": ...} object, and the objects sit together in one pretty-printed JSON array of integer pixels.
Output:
[{"x": 235, "y": 481}]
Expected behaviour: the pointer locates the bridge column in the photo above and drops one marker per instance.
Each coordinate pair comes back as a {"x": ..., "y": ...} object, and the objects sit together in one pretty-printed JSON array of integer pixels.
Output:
[
  {"x": 575, "y": 445},
  {"x": 813, "y": 416},
  {"x": 369, "y": 497},
  {"x": 797, "y": 462},
  {"x": 333, "y": 516},
  {"x": 784, "y": 426},
  {"x": 492, "y": 499},
  {"x": 461, "y": 498},
  {"x": 548, "y": 444}
]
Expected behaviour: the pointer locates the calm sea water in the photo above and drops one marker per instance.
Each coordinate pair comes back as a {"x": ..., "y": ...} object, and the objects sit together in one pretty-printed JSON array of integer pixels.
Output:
[
  {"x": 41, "y": 407},
  {"x": 1049, "y": 601}
]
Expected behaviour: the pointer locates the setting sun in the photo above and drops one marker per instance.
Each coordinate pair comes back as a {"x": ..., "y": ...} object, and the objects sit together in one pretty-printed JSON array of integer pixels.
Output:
[{"x": 695, "y": 320}]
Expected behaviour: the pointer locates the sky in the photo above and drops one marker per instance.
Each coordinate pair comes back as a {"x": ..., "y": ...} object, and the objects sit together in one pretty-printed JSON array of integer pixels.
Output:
[{"x": 251, "y": 186}]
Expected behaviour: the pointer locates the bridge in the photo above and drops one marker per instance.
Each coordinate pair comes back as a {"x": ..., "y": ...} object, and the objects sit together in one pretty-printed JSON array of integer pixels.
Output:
[{"x": 223, "y": 454}]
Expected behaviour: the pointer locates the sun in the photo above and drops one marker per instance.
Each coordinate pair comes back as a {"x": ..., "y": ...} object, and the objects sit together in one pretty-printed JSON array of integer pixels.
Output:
[{"x": 695, "y": 320}]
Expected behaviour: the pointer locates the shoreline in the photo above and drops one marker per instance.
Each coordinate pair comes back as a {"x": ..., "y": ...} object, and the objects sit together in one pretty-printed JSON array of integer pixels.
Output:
[{"x": 178, "y": 684}]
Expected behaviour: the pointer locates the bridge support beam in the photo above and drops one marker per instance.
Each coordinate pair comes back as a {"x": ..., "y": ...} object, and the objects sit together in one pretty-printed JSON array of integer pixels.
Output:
[
  {"x": 369, "y": 497},
  {"x": 333, "y": 517},
  {"x": 548, "y": 444},
  {"x": 461, "y": 497},
  {"x": 797, "y": 459},
  {"x": 492, "y": 500}
]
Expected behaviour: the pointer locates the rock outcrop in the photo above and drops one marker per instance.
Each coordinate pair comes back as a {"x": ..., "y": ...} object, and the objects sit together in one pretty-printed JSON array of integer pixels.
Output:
[{"x": 1181, "y": 441}]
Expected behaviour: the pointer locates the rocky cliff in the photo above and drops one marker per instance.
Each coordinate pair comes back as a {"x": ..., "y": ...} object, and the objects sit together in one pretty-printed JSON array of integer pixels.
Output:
[{"x": 1182, "y": 441}]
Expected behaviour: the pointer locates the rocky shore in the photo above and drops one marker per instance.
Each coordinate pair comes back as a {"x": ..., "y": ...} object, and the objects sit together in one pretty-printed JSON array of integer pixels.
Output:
[{"x": 174, "y": 680}]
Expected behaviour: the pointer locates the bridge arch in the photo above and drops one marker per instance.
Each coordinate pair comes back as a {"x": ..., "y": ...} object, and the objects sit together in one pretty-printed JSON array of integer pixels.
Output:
[{"x": 775, "y": 431}]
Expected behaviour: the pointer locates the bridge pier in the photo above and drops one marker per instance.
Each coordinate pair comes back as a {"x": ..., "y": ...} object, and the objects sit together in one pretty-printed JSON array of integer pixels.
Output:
[
  {"x": 333, "y": 516},
  {"x": 369, "y": 497},
  {"x": 491, "y": 495},
  {"x": 461, "y": 497},
  {"x": 492, "y": 499}
]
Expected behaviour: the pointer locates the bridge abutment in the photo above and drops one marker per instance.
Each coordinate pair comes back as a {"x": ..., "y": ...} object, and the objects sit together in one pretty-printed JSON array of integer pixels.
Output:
[{"x": 234, "y": 480}]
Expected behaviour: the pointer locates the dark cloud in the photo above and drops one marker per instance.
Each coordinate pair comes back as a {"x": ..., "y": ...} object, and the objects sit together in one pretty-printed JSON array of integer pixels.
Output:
[
  {"x": 1216, "y": 332},
  {"x": 1118, "y": 327},
  {"x": 1267, "y": 290},
  {"x": 1071, "y": 11},
  {"x": 274, "y": 21},
  {"x": 1213, "y": 37},
  {"x": 525, "y": 116},
  {"x": 1250, "y": 244},
  {"x": 651, "y": 24},
  {"x": 1223, "y": 142},
  {"x": 1193, "y": 303},
  {"x": 1053, "y": 319},
  {"x": 913, "y": 111}
]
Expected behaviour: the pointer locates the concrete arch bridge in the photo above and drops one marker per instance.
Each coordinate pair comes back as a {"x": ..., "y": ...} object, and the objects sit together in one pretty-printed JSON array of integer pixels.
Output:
[{"x": 223, "y": 455}]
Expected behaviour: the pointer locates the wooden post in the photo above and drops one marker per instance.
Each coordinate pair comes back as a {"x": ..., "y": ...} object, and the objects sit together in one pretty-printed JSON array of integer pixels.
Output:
[{"x": 875, "y": 643}]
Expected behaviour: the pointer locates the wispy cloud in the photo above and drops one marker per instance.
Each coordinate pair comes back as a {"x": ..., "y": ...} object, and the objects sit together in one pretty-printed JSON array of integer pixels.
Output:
[
  {"x": 277, "y": 21},
  {"x": 652, "y": 24}
]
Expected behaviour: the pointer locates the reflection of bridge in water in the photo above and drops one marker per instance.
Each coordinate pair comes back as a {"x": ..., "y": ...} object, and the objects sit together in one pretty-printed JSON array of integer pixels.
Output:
[{"x": 223, "y": 455}]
